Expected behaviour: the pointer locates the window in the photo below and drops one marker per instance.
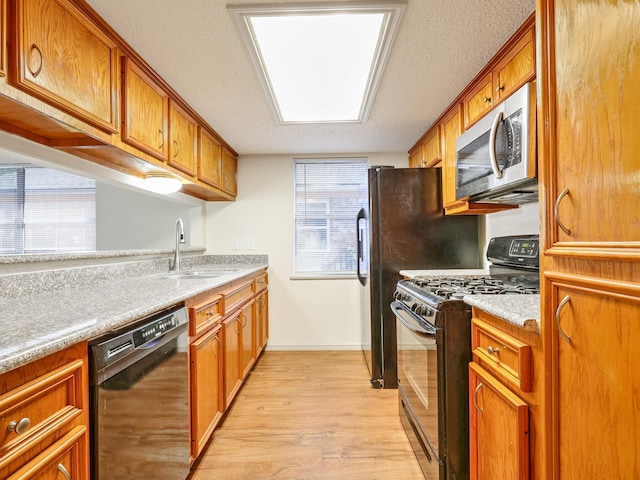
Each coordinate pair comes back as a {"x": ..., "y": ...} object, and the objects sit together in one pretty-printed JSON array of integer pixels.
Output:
[
  {"x": 328, "y": 195},
  {"x": 43, "y": 210}
]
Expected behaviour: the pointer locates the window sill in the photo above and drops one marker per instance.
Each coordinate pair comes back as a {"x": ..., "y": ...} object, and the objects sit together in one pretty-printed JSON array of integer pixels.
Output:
[{"x": 310, "y": 276}]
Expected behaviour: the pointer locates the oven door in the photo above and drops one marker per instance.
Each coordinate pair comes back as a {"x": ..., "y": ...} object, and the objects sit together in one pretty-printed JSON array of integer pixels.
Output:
[{"x": 418, "y": 385}]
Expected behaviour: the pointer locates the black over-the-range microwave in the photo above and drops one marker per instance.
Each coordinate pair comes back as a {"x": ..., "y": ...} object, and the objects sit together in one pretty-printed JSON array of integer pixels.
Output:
[{"x": 496, "y": 157}]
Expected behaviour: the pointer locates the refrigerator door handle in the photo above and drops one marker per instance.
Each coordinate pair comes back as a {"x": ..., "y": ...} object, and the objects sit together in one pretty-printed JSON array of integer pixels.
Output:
[{"x": 362, "y": 215}]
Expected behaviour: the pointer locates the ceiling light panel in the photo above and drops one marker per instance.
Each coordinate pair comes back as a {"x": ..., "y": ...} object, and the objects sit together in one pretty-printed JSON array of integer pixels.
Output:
[{"x": 319, "y": 63}]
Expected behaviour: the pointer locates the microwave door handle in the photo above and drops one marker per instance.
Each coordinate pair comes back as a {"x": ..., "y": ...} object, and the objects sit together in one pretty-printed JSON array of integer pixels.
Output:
[{"x": 492, "y": 145}]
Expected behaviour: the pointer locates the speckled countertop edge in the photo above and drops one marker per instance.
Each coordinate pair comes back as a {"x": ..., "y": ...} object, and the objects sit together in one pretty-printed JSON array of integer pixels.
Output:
[
  {"x": 520, "y": 310},
  {"x": 34, "y": 326}
]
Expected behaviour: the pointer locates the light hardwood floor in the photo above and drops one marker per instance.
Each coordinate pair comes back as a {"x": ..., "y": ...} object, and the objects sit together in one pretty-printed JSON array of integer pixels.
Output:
[{"x": 310, "y": 415}]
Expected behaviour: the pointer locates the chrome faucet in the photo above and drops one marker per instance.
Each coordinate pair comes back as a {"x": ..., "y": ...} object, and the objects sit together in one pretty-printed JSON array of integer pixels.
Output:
[{"x": 179, "y": 239}]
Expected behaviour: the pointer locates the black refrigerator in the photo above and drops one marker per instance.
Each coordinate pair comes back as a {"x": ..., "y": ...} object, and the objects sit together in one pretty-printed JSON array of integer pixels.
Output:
[{"x": 404, "y": 228}]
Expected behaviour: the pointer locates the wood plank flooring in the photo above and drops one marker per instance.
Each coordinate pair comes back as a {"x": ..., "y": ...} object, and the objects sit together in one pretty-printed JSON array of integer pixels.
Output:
[{"x": 310, "y": 416}]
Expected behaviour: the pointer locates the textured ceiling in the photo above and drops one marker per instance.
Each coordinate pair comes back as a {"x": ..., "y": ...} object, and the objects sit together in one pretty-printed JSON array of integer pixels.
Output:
[{"x": 194, "y": 46}]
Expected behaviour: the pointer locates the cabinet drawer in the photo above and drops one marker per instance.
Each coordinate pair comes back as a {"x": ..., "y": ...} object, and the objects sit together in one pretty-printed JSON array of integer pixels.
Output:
[
  {"x": 502, "y": 354},
  {"x": 262, "y": 282},
  {"x": 65, "y": 458},
  {"x": 204, "y": 315},
  {"x": 237, "y": 295},
  {"x": 38, "y": 408}
]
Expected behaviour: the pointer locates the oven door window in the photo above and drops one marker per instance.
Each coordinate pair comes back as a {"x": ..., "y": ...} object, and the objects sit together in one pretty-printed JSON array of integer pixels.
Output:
[{"x": 418, "y": 374}]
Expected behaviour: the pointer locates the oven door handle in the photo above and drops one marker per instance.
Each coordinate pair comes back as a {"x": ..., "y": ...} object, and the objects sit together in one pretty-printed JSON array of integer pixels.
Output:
[{"x": 413, "y": 321}]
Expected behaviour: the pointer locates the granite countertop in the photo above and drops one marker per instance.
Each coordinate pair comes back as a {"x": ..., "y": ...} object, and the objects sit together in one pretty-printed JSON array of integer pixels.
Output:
[
  {"x": 520, "y": 310},
  {"x": 36, "y": 325}
]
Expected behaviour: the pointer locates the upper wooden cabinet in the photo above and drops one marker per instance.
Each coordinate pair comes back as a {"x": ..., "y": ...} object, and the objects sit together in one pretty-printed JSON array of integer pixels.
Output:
[
  {"x": 428, "y": 152},
  {"x": 145, "y": 111},
  {"x": 513, "y": 66},
  {"x": 229, "y": 169},
  {"x": 182, "y": 139},
  {"x": 3, "y": 38},
  {"x": 64, "y": 60},
  {"x": 209, "y": 158}
]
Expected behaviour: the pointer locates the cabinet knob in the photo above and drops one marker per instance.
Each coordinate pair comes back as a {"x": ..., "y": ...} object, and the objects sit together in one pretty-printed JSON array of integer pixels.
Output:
[
  {"x": 209, "y": 313},
  {"x": 493, "y": 350},
  {"x": 20, "y": 426},
  {"x": 486, "y": 99},
  {"x": 499, "y": 88}
]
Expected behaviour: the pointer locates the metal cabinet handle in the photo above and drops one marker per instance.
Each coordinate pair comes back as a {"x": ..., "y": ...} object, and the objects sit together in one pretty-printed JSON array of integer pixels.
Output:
[
  {"x": 475, "y": 397},
  {"x": 210, "y": 313},
  {"x": 563, "y": 302},
  {"x": 493, "y": 350},
  {"x": 175, "y": 155},
  {"x": 499, "y": 88},
  {"x": 244, "y": 318},
  {"x": 217, "y": 350},
  {"x": 37, "y": 70},
  {"x": 556, "y": 207},
  {"x": 20, "y": 426},
  {"x": 486, "y": 99},
  {"x": 64, "y": 471},
  {"x": 162, "y": 138}
]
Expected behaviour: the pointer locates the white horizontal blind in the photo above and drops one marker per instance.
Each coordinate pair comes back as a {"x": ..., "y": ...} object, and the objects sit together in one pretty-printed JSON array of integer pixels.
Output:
[
  {"x": 43, "y": 210},
  {"x": 328, "y": 195}
]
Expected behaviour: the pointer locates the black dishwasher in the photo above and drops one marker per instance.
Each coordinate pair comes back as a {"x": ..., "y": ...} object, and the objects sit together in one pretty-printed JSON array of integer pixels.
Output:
[{"x": 139, "y": 400}]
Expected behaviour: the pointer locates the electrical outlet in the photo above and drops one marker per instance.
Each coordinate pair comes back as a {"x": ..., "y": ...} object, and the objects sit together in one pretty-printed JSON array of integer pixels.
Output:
[
  {"x": 233, "y": 245},
  {"x": 249, "y": 244}
]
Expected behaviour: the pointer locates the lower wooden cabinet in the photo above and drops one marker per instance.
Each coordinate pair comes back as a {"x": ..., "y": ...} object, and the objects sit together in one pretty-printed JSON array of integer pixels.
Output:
[
  {"x": 232, "y": 333},
  {"x": 207, "y": 401},
  {"x": 44, "y": 417},
  {"x": 262, "y": 322},
  {"x": 498, "y": 429},
  {"x": 248, "y": 322}
]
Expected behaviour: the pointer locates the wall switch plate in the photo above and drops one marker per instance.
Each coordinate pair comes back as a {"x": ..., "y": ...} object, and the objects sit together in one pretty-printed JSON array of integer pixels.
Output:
[
  {"x": 249, "y": 244},
  {"x": 233, "y": 245}
]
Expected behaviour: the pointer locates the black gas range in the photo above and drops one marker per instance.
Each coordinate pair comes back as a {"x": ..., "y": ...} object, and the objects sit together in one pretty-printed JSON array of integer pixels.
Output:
[{"x": 434, "y": 350}]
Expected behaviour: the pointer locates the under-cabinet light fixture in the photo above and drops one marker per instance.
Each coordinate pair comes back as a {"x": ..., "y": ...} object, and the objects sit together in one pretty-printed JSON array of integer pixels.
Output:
[
  {"x": 319, "y": 62},
  {"x": 160, "y": 182}
]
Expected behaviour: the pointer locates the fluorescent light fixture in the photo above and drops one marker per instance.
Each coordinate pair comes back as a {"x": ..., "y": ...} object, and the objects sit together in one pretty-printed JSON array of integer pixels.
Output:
[
  {"x": 160, "y": 182},
  {"x": 319, "y": 62}
]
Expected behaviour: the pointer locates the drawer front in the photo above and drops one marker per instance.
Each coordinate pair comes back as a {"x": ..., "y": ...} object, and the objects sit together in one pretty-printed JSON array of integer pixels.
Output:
[
  {"x": 502, "y": 354},
  {"x": 237, "y": 296},
  {"x": 262, "y": 282},
  {"x": 31, "y": 412},
  {"x": 205, "y": 314}
]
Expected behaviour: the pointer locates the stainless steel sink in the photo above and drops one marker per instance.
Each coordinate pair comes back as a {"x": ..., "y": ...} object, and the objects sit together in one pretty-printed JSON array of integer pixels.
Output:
[{"x": 199, "y": 274}]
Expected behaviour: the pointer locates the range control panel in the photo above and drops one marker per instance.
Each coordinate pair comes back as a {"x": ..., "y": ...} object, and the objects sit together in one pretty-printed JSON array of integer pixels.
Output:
[{"x": 524, "y": 248}]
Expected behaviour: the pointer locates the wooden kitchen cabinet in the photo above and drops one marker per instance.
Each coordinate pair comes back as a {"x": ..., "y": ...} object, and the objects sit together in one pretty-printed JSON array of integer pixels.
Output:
[
  {"x": 145, "y": 111},
  {"x": 248, "y": 321},
  {"x": 209, "y": 158},
  {"x": 428, "y": 152},
  {"x": 44, "y": 416},
  {"x": 232, "y": 335},
  {"x": 513, "y": 66},
  {"x": 229, "y": 170},
  {"x": 3, "y": 38},
  {"x": 498, "y": 427},
  {"x": 207, "y": 385},
  {"x": 262, "y": 322},
  {"x": 589, "y": 71},
  {"x": 63, "y": 59},
  {"x": 183, "y": 143}
]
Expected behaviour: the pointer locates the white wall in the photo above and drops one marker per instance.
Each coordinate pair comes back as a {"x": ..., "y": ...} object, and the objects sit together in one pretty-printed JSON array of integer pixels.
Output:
[{"x": 304, "y": 314}]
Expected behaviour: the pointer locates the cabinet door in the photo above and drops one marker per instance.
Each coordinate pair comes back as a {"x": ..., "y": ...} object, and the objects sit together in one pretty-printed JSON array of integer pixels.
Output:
[
  {"x": 415, "y": 157},
  {"x": 209, "y": 158},
  {"x": 498, "y": 428},
  {"x": 66, "y": 61},
  {"x": 247, "y": 317},
  {"x": 183, "y": 139},
  {"x": 262, "y": 322},
  {"x": 590, "y": 78},
  {"x": 595, "y": 378},
  {"x": 431, "y": 148},
  {"x": 229, "y": 168},
  {"x": 3, "y": 38},
  {"x": 451, "y": 130},
  {"x": 516, "y": 68},
  {"x": 144, "y": 111},
  {"x": 232, "y": 335},
  {"x": 207, "y": 402},
  {"x": 478, "y": 101}
]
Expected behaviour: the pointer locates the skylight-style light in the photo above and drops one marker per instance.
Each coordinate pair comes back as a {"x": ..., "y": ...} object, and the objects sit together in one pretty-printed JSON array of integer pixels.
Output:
[{"x": 319, "y": 63}]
